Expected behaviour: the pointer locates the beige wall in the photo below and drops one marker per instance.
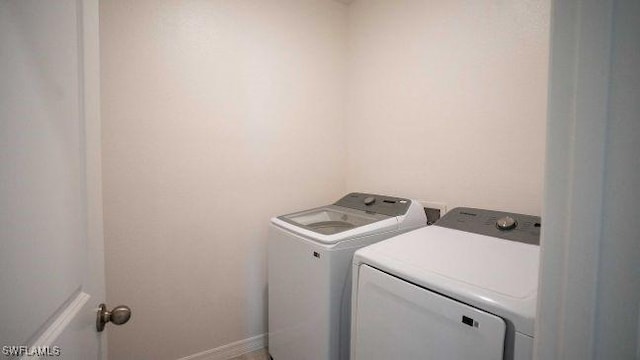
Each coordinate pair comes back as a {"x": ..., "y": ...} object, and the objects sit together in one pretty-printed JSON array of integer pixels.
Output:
[
  {"x": 216, "y": 116},
  {"x": 447, "y": 100},
  {"x": 219, "y": 114}
]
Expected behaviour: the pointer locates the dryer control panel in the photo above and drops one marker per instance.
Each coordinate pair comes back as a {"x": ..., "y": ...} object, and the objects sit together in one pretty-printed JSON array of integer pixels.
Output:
[{"x": 509, "y": 226}]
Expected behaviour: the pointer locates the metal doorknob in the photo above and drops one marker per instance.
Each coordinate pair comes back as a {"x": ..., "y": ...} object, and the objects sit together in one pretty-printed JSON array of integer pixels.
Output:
[{"x": 118, "y": 316}]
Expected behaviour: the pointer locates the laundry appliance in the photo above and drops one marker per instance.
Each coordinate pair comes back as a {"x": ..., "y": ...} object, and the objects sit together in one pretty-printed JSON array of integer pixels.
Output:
[
  {"x": 309, "y": 270},
  {"x": 464, "y": 288}
]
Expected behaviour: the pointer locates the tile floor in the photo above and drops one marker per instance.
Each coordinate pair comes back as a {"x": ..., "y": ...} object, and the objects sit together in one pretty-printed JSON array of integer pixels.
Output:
[{"x": 256, "y": 355}]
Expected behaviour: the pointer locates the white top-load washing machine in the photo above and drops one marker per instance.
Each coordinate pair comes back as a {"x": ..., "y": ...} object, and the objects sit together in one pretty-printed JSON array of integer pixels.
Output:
[
  {"x": 309, "y": 256},
  {"x": 464, "y": 288}
]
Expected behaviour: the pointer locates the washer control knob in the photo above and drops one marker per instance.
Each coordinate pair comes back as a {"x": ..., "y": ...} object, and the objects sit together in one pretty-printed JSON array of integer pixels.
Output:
[
  {"x": 506, "y": 223},
  {"x": 369, "y": 200}
]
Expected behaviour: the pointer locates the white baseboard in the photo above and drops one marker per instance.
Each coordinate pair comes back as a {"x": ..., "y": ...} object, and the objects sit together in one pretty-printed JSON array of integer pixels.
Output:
[{"x": 229, "y": 351}]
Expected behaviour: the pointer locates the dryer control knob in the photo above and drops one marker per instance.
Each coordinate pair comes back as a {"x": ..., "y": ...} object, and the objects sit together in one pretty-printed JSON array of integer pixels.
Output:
[
  {"x": 369, "y": 200},
  {"x": 506, "y": 223}
]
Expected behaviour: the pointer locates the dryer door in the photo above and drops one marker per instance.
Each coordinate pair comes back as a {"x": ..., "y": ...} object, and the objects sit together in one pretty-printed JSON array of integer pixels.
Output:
[{"x": 394, "y": 319}]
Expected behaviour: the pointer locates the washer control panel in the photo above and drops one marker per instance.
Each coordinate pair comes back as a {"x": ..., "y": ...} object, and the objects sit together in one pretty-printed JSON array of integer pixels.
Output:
[
  {"x": 509, "y": 226},
  {"x": 379, "y": 204}
]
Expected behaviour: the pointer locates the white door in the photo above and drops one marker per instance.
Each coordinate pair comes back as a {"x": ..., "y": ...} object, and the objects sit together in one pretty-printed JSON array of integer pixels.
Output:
[
  {"x": 395, "y": 319},
  {"x": 51, "y": 255}
]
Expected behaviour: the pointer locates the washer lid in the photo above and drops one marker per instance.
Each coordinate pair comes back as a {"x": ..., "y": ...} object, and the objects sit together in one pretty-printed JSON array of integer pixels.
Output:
[
  {"x": 497, "y": 275},
  {"x": 331, "y": 219},
  {"x": 332, "y": 224}
]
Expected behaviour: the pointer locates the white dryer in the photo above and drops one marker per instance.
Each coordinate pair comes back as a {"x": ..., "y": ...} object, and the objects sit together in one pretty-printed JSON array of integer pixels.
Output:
[
  {"x": 309, "y": 260},
  {"x": 464, "y": 288}
]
